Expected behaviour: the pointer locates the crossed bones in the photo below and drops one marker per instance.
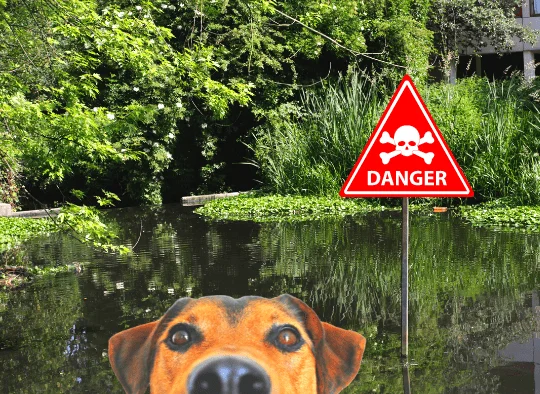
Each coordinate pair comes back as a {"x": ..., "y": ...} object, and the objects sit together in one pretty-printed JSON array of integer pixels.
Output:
[{"x": 406, "y": 140}]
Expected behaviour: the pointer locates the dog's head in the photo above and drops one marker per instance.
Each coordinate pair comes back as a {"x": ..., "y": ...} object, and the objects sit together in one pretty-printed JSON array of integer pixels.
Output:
[{"x": 251, "y": 345}]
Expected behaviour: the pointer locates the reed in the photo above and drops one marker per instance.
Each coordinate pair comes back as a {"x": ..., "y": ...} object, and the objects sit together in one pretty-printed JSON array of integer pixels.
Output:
[{"x": 493, "y": 129}]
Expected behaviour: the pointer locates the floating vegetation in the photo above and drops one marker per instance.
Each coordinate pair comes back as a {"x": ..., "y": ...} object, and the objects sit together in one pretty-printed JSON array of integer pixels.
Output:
[
  {"x": 497, "y": 215},
  {"x": 284, "y": 208},
  {"x": 13, "y": 231}
]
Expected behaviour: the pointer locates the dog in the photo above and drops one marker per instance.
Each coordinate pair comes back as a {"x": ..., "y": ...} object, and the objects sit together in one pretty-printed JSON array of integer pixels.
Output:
[{"x": 250, "y": 345}]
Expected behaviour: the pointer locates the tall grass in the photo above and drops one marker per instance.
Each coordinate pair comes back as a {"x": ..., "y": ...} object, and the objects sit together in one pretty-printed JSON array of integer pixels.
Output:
[
  {"x": 311, "y": 154},
  {"x": 493, "y": 129}
]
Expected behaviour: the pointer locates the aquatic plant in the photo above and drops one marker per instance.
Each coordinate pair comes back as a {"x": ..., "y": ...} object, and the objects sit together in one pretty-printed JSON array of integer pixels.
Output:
[
  {"x": 15, "y": 230},
  {"x": 264, "y": 208}
]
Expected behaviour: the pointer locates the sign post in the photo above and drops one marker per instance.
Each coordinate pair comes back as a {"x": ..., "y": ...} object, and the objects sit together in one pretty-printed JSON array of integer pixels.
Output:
[
  {"x": 406, "y": 156},
  {"x": 405, "y": 277}
]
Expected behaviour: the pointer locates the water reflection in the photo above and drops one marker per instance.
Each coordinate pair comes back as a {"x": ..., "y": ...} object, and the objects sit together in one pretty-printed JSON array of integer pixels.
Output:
[{"x": 471, "y": 295}]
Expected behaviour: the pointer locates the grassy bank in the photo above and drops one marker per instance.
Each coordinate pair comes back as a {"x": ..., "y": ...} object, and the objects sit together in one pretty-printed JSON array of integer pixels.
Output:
[{"x": 493, "y": 129}]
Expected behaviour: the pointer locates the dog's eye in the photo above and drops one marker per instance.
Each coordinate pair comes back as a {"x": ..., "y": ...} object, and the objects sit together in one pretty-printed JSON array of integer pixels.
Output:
[
  {"x": 287, "y": 337},
  {"x": 180, "y": 337}
]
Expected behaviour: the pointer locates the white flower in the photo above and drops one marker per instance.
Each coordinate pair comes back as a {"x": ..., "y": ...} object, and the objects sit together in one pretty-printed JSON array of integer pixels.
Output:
[
  {"x": 169, "y": 156},
  {"x": 123, "y": 150},
  {"x": 179, "y": 27},
  {"x": 110, "y": 116},
  {"x": 135, "y": 89},
  {"x": 163, "y": 5},
  {"x": 147, "y": 16},
  {"x": 181, "y": 5},
  {"x": 151, "y": 41},
  {"x": 171, "y": 136},
  {"x": 107, "y": 23},
  {"x": 120, "y": 14},
  {"x": 156, "y": 144},
  {"x": 115, "y": 26},
  {"x": 172, "y": 7},
  {"x": 130, "y": 13},
  {"x": 204, "y": 125},
  {"x": 160, "y": 106},
  {"x": 138, "y": 8},
  {"x": 334, "y": 7},
  {"x": 179, "y": 105},
  {"x": 95, "y": 109}
]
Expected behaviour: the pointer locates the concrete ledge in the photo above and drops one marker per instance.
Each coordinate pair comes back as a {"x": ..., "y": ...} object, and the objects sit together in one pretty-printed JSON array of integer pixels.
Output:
[
  {"x": 200, "y": 200},
  {"x": 5, "y": 209},
  {"x": 36, "y": 214}
]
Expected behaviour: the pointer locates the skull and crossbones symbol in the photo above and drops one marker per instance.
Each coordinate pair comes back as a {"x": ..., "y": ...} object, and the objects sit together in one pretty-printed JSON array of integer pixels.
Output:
[{"x": 407, "y": 140}]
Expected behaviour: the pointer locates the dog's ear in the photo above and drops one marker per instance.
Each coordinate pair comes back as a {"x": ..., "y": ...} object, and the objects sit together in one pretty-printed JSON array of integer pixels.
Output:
[
  {"x": 338, "y": 352},
  {"x": 129, "y": 353},
  {"x": 339, "y": 358}
]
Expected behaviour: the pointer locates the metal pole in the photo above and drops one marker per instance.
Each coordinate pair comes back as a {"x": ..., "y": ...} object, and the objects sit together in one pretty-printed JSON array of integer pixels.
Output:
[
  {"x": 406, "y": 379},
  {"x": 405, "y": 278}
]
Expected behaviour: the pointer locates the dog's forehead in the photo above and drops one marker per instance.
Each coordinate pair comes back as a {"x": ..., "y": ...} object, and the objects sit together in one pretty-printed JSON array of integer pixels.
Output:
[{"x": 230, "y": 311}]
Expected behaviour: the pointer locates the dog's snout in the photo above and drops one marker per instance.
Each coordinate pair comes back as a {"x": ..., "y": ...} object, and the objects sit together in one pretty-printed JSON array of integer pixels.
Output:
[{"x": 229, "y": 375}]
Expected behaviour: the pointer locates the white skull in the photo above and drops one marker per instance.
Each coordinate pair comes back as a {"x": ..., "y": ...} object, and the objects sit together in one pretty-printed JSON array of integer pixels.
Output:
[{"x": 406, "y": 139}]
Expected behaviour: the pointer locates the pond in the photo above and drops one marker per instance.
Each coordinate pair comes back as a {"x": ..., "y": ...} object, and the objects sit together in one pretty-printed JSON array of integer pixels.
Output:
[{"x": 474, "y": 307}]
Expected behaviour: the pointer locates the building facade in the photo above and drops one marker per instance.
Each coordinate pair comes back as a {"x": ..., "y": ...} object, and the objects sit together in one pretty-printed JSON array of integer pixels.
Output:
[{"x": 522, "y": 56}]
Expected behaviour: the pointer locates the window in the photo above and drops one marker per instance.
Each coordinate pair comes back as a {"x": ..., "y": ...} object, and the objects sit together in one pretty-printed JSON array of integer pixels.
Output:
[{"x": 535, "y": 7}]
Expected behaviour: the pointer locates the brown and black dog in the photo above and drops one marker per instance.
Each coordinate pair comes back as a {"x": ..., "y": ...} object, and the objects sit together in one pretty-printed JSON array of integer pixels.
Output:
[{"x": 250, "y": 345}]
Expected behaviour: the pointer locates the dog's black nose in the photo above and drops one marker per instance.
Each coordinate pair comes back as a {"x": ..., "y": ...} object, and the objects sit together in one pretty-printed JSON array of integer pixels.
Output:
[{"x": 228, "y": 375}]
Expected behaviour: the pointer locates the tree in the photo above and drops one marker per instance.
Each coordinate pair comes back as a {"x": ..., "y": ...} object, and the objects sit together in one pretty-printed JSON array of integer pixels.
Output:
[{"x": 475, "y": 24}]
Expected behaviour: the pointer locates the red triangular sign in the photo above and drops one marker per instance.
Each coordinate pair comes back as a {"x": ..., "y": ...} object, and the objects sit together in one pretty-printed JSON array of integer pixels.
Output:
[{"x": 406, "y": 155}]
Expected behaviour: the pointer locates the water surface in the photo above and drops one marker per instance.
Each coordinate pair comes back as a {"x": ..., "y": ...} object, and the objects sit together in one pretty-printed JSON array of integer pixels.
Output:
[{"x": 474, "y": 308}]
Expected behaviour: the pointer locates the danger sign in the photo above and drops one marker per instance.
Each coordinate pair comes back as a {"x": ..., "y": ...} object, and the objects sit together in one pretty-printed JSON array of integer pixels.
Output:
[{"x": 406, "y": 155}]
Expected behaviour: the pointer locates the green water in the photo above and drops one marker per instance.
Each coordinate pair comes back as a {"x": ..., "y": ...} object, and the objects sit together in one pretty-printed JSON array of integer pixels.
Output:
[{"x": 474, "y": 307}]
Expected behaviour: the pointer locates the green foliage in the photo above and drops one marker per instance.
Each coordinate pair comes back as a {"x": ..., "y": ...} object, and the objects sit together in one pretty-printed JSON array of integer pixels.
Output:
[
  {"x": 279, "y": 208},
  {"x": 158, "y": 98},
  {"x": 491, "y": 127},
  {"x": 459, "y": 24},
  {"x": 397, "y": 30},
  {"x": 120, "y": 97},
  {"x": 15, "y": 230},
  {"x": 86, "y": 224},
  {"x": 310, "y": 153}
]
